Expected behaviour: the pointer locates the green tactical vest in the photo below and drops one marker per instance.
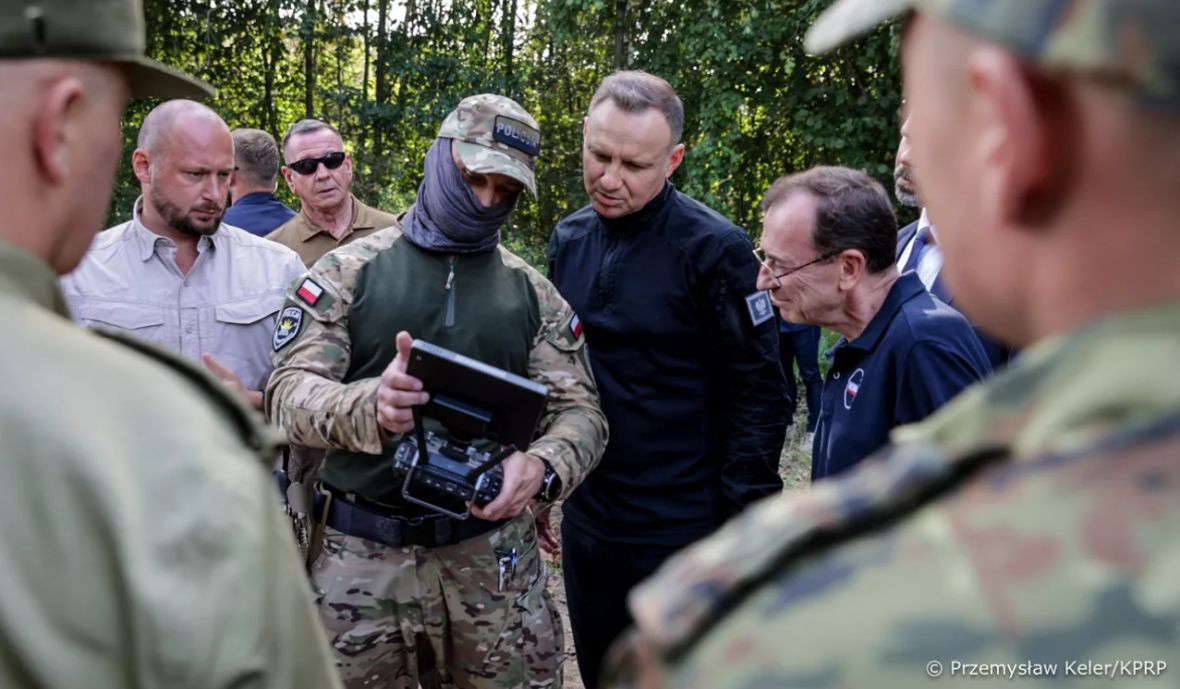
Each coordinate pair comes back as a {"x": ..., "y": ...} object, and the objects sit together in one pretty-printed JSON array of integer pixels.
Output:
[{"x": 471, "y": 304}]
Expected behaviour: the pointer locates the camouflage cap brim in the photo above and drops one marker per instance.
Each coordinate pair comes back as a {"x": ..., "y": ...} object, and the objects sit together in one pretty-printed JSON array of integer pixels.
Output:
[
  {"x": 848, "y": 19},
  {"x": 149, "y": 79},
  {"x": 486, "y": 160}
]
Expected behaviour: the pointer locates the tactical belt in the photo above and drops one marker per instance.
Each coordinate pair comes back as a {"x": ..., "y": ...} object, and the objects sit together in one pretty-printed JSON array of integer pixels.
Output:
[{"x": 368, "y": 522}]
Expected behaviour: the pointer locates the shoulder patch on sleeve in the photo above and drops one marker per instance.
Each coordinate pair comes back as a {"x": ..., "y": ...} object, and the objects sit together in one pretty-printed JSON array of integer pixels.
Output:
[
  {"x": 566, "y": 334},
  {"x": 289, "y": 324},
  {"x": 309, "y": 291},
  {"x": 760, "y": 308}
]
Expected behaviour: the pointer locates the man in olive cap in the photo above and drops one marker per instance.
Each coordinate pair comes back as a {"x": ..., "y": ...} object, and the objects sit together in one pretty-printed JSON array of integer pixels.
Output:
[
  {"x": 404, "y": 588},
  {"x": 1031, "y": 528},
  {"x": 142, "y": 547}
]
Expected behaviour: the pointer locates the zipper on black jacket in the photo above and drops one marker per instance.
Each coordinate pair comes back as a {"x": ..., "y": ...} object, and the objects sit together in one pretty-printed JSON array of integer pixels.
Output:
[
  {"x": 450, "y": 288},
  {"x": 606, "y": 275}
]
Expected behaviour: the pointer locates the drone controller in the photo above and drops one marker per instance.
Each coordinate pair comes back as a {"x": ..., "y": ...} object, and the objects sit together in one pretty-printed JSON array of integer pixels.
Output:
[{"x": 472, "y": 401}]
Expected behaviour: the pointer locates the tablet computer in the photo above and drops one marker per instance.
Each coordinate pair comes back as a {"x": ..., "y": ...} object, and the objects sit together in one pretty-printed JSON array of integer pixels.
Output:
[{"x": 475, "y": 400}]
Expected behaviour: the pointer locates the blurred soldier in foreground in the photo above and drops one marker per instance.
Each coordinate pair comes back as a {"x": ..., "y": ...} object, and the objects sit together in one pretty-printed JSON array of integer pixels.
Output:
[
  {"x": 143, "y": 547},
  {"x": 255, "y": 208},
  {"x": 1035, "y": 520},
  {"x": 403, "y": 587}
]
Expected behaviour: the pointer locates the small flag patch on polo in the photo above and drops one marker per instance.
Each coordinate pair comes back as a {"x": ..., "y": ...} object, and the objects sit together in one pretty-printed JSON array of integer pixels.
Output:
[
  {"x": 576, "y": 326},
  {"x": 309, "y": 291}
]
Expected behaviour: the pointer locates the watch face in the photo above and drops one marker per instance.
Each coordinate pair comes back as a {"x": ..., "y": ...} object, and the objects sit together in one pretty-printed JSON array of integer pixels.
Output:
[{"x": 550, "y": 485}]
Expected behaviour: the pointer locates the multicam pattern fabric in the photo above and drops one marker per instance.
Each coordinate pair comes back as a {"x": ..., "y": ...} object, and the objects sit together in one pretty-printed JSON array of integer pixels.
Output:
[
  {"x": 495, "y": 134},
  {"x": 1131, "y": 39},
  {"x": 305, "y": 397},
  {"x": 1033, "y": 520},
  {"x": 382, "y": 604}
]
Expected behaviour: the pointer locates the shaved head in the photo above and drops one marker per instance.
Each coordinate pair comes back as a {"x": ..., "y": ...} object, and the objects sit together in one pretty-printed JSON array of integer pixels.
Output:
[
  {"x": 155, "y": 132},
  {"x": 185, "y": 164}
]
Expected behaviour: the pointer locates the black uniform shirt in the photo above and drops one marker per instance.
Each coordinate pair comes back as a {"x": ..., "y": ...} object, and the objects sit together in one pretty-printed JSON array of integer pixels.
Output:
[{"x": 685, "y": 353}]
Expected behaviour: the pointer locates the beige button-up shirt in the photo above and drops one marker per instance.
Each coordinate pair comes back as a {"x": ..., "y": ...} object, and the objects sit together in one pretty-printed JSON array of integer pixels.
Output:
[{"x": 225, "y": 305}]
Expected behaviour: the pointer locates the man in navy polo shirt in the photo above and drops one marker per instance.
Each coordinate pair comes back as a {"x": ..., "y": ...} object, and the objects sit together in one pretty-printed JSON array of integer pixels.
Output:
[
  {"x": 255, "y": 207},
  {"x": 827, "y": 255}
]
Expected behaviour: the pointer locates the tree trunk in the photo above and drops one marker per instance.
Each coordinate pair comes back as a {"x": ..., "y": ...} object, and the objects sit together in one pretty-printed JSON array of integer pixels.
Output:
[
  {"x": 309, "y": 22},
  {"x": 509, "y": 31},
  {"x": 270, "y": 57},
  {"x": 363, "y": 133},
  {"x": 365, "y": 42},
  {"x": 382, "y": 95},
  {"x": 620, "y": 34},
  {"x": 339, "y": 35},
  {"x": 404, "y": 85}
]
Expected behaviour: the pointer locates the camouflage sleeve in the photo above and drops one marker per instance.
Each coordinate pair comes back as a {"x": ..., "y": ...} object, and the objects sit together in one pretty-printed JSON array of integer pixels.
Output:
[
  {"x": 573, "y": 430},
  {"x": 311, "y": 355}
]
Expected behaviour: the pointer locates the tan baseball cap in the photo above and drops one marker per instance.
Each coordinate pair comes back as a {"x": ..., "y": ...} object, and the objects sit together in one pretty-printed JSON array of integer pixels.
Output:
[
  {"x": 1135, "y": 40},
  {"x": 495, "y": 134},
  {"x": 93, "y": 30}
]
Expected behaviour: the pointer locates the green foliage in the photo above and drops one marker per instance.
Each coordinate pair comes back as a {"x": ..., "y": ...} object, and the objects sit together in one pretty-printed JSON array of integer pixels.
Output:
[{"x": 756, "y": 106}]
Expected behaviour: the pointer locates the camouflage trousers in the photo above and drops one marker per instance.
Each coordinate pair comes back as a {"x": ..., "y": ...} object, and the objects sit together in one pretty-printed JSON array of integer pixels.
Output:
[{"x": 381, "y": 606}]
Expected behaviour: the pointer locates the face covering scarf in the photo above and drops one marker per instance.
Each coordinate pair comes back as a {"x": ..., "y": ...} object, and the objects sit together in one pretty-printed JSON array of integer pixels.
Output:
[{"x": 447, "y": 216}]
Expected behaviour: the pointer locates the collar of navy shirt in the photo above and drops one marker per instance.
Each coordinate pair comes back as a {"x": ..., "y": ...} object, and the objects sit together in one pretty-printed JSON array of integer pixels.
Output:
[{"x": 907, "y": 287}]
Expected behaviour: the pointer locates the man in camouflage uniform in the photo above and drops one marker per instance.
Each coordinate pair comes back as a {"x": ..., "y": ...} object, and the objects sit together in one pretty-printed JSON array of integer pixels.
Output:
[
  {"x": 1031, "y": 529},
  {"x": 400, "y": 586},
  {"x": 142, "y": 546}
]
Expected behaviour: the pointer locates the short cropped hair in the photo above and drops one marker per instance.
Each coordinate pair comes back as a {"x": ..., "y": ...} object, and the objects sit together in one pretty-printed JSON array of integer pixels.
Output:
[
  {"x": 852, "y": 212},
  {"x": 635, "y": 91},
  {"x": 306, "y": 126},
  {"x": 256, "y": 156}
]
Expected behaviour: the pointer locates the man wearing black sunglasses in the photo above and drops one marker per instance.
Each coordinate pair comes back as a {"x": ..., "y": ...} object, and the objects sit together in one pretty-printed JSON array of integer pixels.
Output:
[
  {"x": 319, "y": 172},
  {"x": 827, "y": 259}
]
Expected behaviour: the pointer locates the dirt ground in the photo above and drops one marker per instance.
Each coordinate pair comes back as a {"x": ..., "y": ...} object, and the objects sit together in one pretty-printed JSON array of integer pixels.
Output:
[{"x": 795, "y": 467}]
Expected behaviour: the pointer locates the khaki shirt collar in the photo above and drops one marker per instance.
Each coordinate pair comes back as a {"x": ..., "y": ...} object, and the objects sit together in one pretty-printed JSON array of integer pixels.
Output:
[
  {"x": 28, "y": 278},
  {"x": 362, "y": 219},
  {"x": 147, "y": 242}
]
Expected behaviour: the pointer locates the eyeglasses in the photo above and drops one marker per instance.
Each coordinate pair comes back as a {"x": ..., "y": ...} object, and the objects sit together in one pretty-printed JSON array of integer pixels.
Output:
[
  {"x": 308, "y": 166},
  {"x": 760, "y": 254}
]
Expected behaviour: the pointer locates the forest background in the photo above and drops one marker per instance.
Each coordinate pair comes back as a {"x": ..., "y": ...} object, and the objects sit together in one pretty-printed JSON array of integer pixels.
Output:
[{"x": 386, "y": 73}]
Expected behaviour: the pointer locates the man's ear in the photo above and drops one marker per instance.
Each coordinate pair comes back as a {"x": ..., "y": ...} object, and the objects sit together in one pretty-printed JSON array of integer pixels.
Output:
[
  {"x": 674, "y": 160},
  {"x": 287, "y": 177},
  {"x": 1014, "y": 149},
  {"x": 852, "y": 268},
  {"x": 141, "y": 165},
  {"x": 60, "y": 130}
]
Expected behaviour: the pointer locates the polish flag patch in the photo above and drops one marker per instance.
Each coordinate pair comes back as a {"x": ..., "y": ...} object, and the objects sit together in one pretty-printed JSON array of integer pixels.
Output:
[
  {"x": 309, "y": 292},
  {"x": 576, "y": 326}
]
